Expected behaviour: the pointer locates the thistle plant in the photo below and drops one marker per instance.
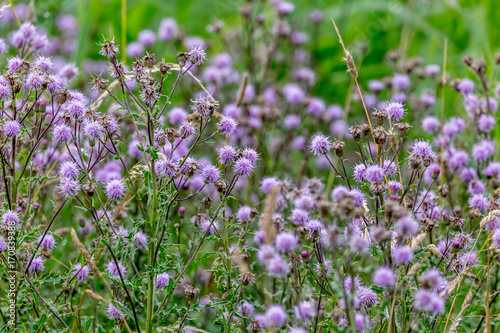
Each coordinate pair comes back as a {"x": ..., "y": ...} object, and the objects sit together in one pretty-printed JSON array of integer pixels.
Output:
[{"x": 188, "y": 190}]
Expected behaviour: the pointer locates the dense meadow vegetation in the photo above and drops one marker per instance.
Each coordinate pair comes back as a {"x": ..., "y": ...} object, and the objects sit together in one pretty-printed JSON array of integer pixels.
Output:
[{"x": 249, "y": 166}]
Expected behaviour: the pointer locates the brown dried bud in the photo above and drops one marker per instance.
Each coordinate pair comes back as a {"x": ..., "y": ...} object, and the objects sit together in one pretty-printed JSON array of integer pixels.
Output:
[
  {"x": 247, "y": 278},
  {"x": 378, "y": 187},
  {"x": 11, "y": 78},
  {"x": 63, "y": 96},
  {"x": 338, "y": 147},
  {"x": 356, "y": 132},
  {"x": 456, "y": 222},
  {"x": 393, "y": 55},
  {"x": 415, "y": 161},
  {"x": 443, "y": 190},
  {"x": 25, "y": 67},
  {"x": 497, "y": 58},
  {"x": 183, "y": 57},
  {"x": 468, "y": 60},
  {"x": 190, "y": 292},
  {"x": 479, "y": 66},
  {"x": 149, "y": 59},
  {"x": 474, "y": 214},
  {"x": 254, "y": 325},
  {"x": 379, "y": 116},
  {"x": 402, "y": 129},
  {"x": 207, "y": 202},
  {"x": 366, "y": 129},
  {"x": 380, "y": 135},
  {"x": 253, "y": 213},
  {"x": 89, "y": 188},
  {"x": 99, "y": 83},
  {"x": 220, "y": 185},
  {"x": 164, "y": 67}
]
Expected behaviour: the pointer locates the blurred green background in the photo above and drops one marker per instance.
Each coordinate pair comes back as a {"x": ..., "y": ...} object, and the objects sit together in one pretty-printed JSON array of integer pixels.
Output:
[{"x": 418, "y": 28}]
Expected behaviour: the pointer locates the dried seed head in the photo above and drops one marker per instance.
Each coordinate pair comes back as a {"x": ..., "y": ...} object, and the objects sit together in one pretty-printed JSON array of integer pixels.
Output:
[
  {"x": 443, "y": 190},
  {"x": 497, "y": 58},
  {"x": 479, "y": 66},
  {"x": 25, "y": 67},
  {"x": 456, "y": 222},
  {"x": 183, "y": 57},
  {"x": 356, "y": 132},
  {"x": 99, "y": 83},
  {"x": 254, "y": 325},
  {"x": 402, "y": 129},
  {"x": 207, "y": 202},
  {"x": 415, "y": 161},
  {"x": 247, "y": 278},
  {"x": 474, "y": 213},
  {"x": 89, "y": 188},
  {"x": 393, "y": 55},
  {"x": 380, "y": 135},
  {"x": 253, "y": 213},
  {"x": 149, "y": 59},
  {"x": 378, "y": 188},
  {"x": 468, "y": 60},
  {"x": 338, "y": 147},
  {"x": 379, "y": 116},
  {"x": 220, "y": 186},
  {"x": 366, "y": 129},
  {"x": 63, "y": 96},
  {"x": 190, "y": 292},
  {"x": 164, "y": 67}
]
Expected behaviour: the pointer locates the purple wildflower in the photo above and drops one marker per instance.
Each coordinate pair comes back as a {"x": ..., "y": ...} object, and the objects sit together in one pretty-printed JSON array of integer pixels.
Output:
[{"x": 115, "y": 189}]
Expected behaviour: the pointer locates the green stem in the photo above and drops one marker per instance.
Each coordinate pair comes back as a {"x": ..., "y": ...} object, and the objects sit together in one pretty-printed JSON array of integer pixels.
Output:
[{"x": 151, "y": 255}]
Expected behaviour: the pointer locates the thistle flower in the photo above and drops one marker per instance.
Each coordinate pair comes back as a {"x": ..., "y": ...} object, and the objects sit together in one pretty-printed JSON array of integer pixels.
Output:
[
  {"x": 204, "y": 106},
  {"x": 116, "y": 270},
  {"x": 168, "y": 29},
  {"x": 10, "y": 217},
  {"x": 76, "y": 109},
  {"x": 227, "y": 154},
  {"x": 115, "y": 189},
  {"x": 48, "y": 242},
  {"x": 430, "y": 124},
  {"x": 320, "y": 145},
  {"x": 286, "y": 241},
  {"x": 425, "y": 300},
  {"x": 367, "y": 296},
  {"x": 61, "y": 133},
  {"x": 197, "y": 54},
  {"x": 142, "y": 240},
  {"x": 304, "y": 311},
  {"x": 384, "y": 277},
  {"x": 37, "y": 265},
  {"x": 69, "y": 187},
  {"x": 276, "y": 316},
  {"x": 187, "y": 129},
  {"x": 4, "y": 247},
  {"x": 227, "y": 125},
  {"x": 293, "y": 93},
  {"x": 82, "y": 272},
  {"x": 11, "y": 128},
  {"x": 114, "y": 313},
  {"x": 210, "y": 174},
  {"x": 402, "y": 255},
  {"x": 109, "y": 49},
  {"x": 243, "y": 167},
  {"x": 406, "y": 227},
  {"x": 162, "y": 280},
  {"x": 483, "y": 150},
  {"x": 166, "y": 168},
  {"x": 277, "y": 267},
  {"x": 396, "y": 110},
  {"x": 401, "y": 81}
]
